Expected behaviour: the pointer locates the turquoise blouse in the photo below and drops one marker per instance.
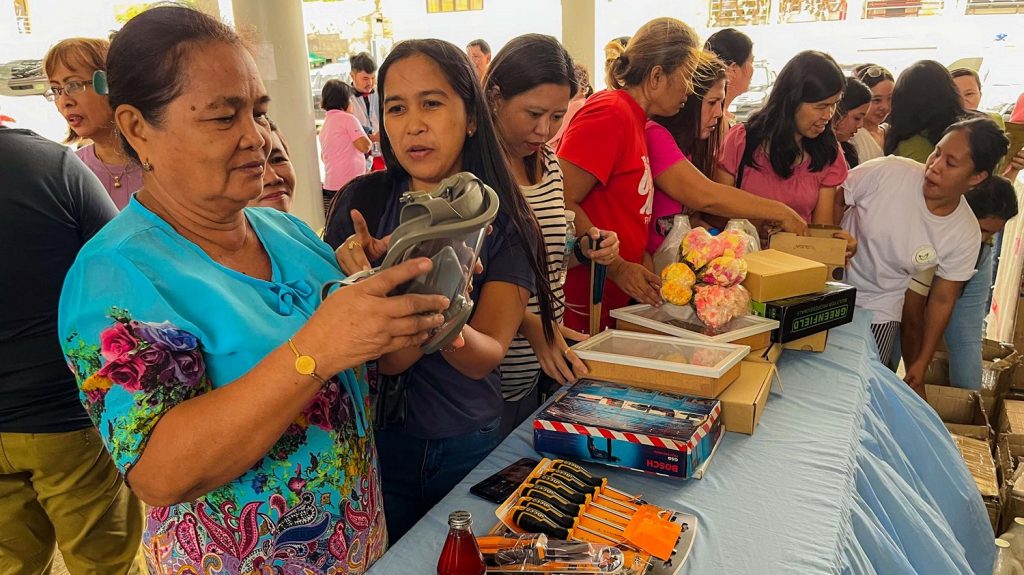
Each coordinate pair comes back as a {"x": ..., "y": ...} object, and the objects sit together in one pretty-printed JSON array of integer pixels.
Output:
[{"x": 148, "y": 320}]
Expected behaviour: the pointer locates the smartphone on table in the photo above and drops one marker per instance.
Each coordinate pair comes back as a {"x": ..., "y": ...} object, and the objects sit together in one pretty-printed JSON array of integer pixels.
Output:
[{"x": 498, "y": 487}]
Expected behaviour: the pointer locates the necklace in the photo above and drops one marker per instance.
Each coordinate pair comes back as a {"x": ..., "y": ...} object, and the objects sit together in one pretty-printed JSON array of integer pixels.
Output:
[{"x": 117, "y": 178}]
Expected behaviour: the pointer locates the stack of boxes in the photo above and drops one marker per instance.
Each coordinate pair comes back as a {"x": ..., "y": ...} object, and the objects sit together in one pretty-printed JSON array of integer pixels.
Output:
[
  {"x": 662, "y": 387},
  {"x": 985, "y": 423}
]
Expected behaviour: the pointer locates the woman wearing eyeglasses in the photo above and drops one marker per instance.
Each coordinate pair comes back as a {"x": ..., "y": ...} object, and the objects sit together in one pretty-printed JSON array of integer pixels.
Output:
[
  {"x": 787, "y": 151},
  {"x": 71, "y": 66},
  {"x": 870, "y": 139}
]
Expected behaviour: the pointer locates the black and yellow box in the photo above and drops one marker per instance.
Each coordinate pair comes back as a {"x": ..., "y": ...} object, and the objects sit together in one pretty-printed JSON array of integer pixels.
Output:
[{"x": 806, "y": 315}]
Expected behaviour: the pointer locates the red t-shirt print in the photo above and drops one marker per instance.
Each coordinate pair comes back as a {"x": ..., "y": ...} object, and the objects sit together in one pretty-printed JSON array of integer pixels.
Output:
[{"x": 606, "y": 138}]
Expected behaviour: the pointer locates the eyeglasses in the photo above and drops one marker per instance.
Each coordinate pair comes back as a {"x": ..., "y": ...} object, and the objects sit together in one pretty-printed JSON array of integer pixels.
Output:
[
  {"x": 71, "y": 88},
  {"x": 874, "y": 72}
]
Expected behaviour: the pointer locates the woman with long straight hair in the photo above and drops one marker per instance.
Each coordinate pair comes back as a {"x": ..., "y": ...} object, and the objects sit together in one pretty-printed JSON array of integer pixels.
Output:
[
  {"x": 436, "y": 124},
  {"x": 605, "y": 162},
  {"x": 684, "y": 153},
  {"x": 787, "y": 151},
  {"x": 528, "y": 86}
]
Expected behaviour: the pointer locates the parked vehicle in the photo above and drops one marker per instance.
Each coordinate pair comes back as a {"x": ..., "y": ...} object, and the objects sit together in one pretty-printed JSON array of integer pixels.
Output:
[
  {"x": 760, "y": 87},
  {"x": 22, "y": 78},
  {"x": 319, "y": 76}
]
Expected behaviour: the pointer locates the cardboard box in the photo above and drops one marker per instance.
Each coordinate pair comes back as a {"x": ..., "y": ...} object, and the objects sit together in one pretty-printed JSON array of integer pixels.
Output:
[
  {"x": 773, "y": 275},
  {"x": 770, "y": 354},
  {"x": 961, "y": 410},
  {"x": 816, "y": 342},
  {"x": 1009, "y": 450},
  {"x": 819, "y": 246},
  {"x": 661, "y": 362},
  {"x": 655, "y": 432},
  {"x": 806, "y": 315},
  {"x": 743, "y": 402},
  {"x": 1012, "y": 420},
  {"x": 979, "y": 461},
  {"x": 999, "y": 369}
]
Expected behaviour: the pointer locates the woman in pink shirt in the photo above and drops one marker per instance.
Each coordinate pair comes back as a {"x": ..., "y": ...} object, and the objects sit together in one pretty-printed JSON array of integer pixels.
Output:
[
  {"x": 343, "y": 143},
  {"x": 75, "y": 68},
  {"x": 683, "y": 151},
  {"x": 787, "y": 151}
]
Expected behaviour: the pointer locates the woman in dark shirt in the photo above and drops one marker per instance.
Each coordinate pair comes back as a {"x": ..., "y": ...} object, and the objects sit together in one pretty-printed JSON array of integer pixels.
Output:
[{"x": 436, "y": 124}]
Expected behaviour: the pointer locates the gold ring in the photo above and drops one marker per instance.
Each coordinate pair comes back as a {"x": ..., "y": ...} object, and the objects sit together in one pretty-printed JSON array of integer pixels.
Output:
[{"x": 353, "y": 245}]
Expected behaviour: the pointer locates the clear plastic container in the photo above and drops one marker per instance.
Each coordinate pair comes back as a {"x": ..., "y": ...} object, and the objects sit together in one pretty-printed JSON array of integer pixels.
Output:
[
  {"x": 1006, "y": 563},
  {"x": 682, "y": 321},
  {"x": 1015, "y": 535},
  {"x": 661, "y": 362}
]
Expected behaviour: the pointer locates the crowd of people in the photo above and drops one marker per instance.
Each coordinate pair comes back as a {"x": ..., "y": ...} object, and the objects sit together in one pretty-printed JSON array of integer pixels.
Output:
[{"x": 176, "y": 391}]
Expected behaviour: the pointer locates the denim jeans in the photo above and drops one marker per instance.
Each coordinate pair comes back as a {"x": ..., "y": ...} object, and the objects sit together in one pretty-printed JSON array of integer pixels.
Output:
[
  {"x": 964, "y": 333},
  {"x": 417, "y": 473}
]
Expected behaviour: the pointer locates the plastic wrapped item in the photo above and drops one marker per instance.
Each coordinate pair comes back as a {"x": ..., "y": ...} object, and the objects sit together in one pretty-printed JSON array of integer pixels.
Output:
[
  {"x": 748, "y": 229},
  {"x": 536, "y": 553},
  {"x": 698, "y": 248},
  {"x": 716, "y": 305},
  {"x": 668, "y": 252},
  {"x": 724, "y": 271},
  {"x": 732, "y": 243},
  {"x": 677, "y": 283}
]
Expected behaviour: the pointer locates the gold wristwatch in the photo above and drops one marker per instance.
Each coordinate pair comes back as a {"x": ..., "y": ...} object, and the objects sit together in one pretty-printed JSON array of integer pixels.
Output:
[{"x": 305, "y": 364}]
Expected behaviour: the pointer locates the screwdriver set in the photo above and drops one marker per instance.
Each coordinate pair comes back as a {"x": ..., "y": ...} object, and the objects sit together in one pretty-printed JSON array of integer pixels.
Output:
[{"x": 567, "y": 503}]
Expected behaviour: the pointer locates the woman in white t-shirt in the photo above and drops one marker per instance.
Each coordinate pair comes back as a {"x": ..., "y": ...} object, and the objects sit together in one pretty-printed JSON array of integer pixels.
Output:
[
  {"x": 870, "y": 139},
  {"x": 908, "y": 217},
  {"x": 528, "y": 87},
  {"x": 343, "y": 142}
]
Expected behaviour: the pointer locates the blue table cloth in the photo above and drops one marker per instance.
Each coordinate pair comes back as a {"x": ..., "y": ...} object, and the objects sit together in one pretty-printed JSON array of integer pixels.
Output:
[{"x": 848, "y": 472}]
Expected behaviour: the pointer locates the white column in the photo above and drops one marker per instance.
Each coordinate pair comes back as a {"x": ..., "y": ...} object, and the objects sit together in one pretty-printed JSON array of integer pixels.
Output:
[
  {"x": 278, "y": 32},
  {"x": 578, "y": 32}
]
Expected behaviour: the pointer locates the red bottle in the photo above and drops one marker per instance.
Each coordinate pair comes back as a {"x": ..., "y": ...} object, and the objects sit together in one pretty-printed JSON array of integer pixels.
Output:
[{"x": 461, "y": 554}]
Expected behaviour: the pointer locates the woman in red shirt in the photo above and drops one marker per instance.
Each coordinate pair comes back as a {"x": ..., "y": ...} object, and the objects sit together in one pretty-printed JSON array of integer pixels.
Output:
[{"x": 604, "y": 160}]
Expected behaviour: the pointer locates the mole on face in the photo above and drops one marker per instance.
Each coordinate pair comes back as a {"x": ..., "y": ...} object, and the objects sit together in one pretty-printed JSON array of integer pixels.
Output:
[{"x": 193, "y": 108}]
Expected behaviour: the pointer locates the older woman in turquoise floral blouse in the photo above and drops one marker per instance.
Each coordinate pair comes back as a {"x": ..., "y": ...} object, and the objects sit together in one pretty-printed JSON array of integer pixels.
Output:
[{"x": 231, "y": 398}]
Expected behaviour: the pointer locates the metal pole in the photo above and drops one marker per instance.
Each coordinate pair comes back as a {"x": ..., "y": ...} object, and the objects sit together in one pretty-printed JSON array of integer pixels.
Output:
[
  {"x": 578, "y": 32},
  {"x": 279, "y": 36}
]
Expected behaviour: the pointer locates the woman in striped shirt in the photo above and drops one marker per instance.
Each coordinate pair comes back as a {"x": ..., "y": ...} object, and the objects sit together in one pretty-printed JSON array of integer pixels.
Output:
[{"x": 528, "y": 87}]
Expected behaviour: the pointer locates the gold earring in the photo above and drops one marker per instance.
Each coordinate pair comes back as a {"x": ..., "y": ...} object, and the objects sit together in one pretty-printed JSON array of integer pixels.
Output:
[{"x": 147, "y": 167}]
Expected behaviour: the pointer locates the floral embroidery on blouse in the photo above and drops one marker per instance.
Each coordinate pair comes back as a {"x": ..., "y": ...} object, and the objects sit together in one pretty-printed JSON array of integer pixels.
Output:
[{"x": 311, "y": 505}]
